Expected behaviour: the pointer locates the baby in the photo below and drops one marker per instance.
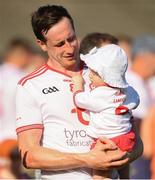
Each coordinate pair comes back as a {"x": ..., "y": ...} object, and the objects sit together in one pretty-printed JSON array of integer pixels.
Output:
[{"x": 111, "y": 101}]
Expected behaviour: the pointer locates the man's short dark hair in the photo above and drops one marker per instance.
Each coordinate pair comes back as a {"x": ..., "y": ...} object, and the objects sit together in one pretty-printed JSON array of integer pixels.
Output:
[
  {"x": 46, "y": 17},
  {"x": 96, "y": 39}
]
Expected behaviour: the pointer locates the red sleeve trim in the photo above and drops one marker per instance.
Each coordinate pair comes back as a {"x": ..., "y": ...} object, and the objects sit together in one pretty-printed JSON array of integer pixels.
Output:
[
  {"x": 74, "y": 94},
  {"x": 28, "y": 127}
]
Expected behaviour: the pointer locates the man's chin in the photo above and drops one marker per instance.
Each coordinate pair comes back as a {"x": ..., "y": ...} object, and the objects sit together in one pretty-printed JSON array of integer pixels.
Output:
[{"x": 70, "y": 64}]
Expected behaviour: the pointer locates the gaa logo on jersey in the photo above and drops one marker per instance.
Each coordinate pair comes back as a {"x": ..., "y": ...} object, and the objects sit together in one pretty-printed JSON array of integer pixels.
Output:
[{"x": 50, "y": 90}]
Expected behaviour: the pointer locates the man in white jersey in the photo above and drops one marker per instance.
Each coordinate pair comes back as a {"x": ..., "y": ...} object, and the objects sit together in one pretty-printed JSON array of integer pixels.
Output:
[
  {"x": 51, "y": 130},
  {"x": 16, "y": 58}
]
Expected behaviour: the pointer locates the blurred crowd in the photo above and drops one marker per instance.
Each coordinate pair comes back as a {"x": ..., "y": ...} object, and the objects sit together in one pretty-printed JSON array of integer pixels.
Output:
[{"x": 21, "y": 58}]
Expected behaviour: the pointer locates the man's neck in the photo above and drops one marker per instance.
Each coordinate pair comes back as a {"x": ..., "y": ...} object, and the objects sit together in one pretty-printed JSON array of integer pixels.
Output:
[{"x": 70, "y": 70}]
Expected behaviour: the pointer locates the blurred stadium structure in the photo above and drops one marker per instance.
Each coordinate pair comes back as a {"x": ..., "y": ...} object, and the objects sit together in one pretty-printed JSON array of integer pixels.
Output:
[{"x": 112, "y": 16}]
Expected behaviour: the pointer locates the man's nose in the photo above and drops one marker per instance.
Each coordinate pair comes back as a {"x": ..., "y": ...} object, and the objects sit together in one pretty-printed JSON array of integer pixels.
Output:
[{"x": 70, "y": 46}]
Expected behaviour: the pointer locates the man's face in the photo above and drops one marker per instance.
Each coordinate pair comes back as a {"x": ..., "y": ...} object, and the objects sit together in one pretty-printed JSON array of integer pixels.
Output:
[{"x": 62, "y": 44}]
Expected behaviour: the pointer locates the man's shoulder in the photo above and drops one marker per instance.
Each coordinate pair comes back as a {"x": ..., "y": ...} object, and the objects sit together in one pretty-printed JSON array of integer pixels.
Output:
[{"x": 31, "y": 76}]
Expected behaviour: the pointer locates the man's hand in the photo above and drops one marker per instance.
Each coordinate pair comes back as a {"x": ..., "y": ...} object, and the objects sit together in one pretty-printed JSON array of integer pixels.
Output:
[{"x": 106, "y": 156}]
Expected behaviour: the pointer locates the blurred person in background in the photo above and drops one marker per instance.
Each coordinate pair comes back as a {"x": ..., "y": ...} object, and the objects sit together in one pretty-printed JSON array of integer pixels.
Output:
[
  {"x": 143, "y": 68},
  {"x": 150, "y": 125},
  {"x": 5, "y": 162},
  {"x": 152, "y": 86},
  {"x": 38, "y": 59},
  {"x": 17, "y": 57},
  {"x": 10, "y": 162},
  {"x": 125, "y": 42},
  {"x": 16, "y": 166}
]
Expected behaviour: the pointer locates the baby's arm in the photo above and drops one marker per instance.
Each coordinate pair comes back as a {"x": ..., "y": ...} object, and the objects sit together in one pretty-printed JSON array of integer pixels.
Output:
[{"x": 78, "y": 82}]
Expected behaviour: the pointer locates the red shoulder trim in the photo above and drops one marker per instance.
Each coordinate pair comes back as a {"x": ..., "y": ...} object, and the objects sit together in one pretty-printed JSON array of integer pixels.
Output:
[
  {"x": 36, "y": 73},
  {"x": 64, "y": 73},
  {"x": 28, "y": 127},
  {"x": 56, "y": 70}
]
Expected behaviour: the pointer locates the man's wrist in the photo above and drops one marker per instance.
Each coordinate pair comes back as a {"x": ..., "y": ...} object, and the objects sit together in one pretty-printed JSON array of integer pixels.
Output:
[{"x": 83, "y": 159}]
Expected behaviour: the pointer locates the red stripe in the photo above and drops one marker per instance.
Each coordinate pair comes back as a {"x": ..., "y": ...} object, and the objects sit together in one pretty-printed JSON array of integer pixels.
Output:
[
  {"x": 38, "y": 70},
  {"x": 56, "y": 70},
  {"x": 33, "y": 76},
  {"x": 28, "y": 127},
  {"x": 33, "y": 73}
]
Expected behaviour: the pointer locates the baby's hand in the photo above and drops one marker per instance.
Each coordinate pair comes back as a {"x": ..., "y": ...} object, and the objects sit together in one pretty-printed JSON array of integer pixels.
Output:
[
  {"x": 78, "y": 79},
  {"x": 78, "y": 82}
]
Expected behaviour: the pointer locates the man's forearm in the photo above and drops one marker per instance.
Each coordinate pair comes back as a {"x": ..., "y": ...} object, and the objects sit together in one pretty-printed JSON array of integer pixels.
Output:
[
  {"x": 38, "y": 157},
  {"x": 52, "y": 160},
  {"x": 44, "y": 158}
]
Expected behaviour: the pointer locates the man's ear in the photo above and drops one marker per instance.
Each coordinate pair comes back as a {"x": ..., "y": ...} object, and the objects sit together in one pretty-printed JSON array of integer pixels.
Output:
[{"x": 42, "y": 45}]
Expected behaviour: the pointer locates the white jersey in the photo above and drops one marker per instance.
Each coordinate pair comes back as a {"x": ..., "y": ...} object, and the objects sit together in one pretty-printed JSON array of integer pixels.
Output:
[
  {"x": 9, "y": 77},
  {"x": 45, "y": 100},
  {"x": 110, "y": 110},
  {"x": 144, "y": 93}
]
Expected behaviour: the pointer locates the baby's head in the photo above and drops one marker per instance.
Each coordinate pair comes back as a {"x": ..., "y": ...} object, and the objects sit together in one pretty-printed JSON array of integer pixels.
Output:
[{"x": 110, "y": 62}]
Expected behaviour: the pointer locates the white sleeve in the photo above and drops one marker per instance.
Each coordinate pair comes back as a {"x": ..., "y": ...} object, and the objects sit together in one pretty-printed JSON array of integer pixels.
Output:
[
  {"x": 93, "y": 101},
  {"x": 132, "y": 100},
  {"x": 28, "y": 115}
]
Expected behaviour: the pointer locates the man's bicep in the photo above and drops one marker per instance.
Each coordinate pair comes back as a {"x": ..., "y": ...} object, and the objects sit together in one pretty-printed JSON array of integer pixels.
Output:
[
  {"x": 28, "y": 113},
  {"x": 28, "y": 142},
  {"x": 29, "y": 139}
]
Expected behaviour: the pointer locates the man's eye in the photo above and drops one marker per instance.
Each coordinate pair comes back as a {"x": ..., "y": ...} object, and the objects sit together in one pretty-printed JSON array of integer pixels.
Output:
[
  {"x": 71, "y": 39},
  {"x": 60, "y": 44}
]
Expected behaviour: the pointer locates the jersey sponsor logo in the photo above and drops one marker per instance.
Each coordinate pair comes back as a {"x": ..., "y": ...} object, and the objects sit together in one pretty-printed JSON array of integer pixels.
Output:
[
  {"x": 50, "y": 90},
  {"x": 76, "y": 138}
]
